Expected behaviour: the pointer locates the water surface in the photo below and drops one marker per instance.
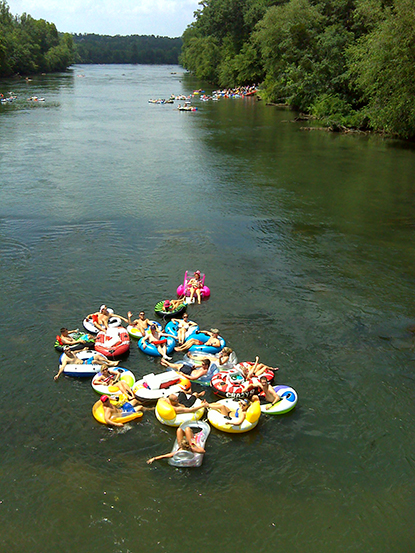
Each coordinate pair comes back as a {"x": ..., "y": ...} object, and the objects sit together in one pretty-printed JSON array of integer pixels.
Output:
[{"x": 306, "y": 239}]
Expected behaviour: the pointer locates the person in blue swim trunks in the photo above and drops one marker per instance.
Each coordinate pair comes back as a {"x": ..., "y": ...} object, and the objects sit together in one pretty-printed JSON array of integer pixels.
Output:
[
  {"x": 111, "y": 411},
  {"x": 70, "y": 358},
  {"x": 234, "y": 417}
]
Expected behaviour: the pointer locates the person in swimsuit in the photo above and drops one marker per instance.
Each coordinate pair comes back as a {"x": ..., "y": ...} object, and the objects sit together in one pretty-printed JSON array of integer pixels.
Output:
[
  {"x": 212, "y": 341},
  {"x": 192, "y": 373},
  {"x": 158, "y": 339},
  {"x": 186, "y": 441},
  {"x": 176, "y": 401},
  {"x": 100, "y": 318},
  {"x": 255, "y": 369},
  {"x": 141, "y": 324},
  {"x": 66, "y": 340},
  {"x": 220, "y": 358},
  {"x": 172, "y": 305},
  {"x": 237, "y": 417},
  {"x": 194, "y": 285},
  {"x": 109, "y": 377},
  {"x": 183, "y": 326},
  {"x": 270, "y": 395},
  {"x": 111, "y": 411},
  {"x": 69, "y": 357}
]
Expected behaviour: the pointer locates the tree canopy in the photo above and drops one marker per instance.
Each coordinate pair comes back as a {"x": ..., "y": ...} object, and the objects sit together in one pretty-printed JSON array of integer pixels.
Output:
[
  {"x": 348, "y": 62},
  {"x": 29, "y": 45},
  {"x": 91, "y": 48}
]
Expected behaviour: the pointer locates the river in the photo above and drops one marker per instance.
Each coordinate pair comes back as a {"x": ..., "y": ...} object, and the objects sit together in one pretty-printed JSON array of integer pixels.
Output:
[{"x": 306, "y": 239}]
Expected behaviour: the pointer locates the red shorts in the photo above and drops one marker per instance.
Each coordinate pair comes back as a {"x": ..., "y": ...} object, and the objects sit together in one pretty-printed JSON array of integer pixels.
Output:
[{"x": 158, "y": 342}]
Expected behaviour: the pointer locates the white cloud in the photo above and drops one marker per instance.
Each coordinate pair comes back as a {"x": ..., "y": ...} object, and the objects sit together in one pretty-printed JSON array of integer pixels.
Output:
[{"x": 123, "y": 17}]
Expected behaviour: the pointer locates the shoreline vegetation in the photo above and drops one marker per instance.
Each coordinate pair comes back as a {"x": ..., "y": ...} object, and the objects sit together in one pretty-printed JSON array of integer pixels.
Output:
[
  {"x": 348, "y": 65},
  {"x": 29, "y": 47}
]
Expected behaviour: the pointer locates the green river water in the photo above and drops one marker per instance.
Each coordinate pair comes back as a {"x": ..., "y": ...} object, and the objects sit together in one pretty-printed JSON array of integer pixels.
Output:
[{"x": 306, "y": 239}]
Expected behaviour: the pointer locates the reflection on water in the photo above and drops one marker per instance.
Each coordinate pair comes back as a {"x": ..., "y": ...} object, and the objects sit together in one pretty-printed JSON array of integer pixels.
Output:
[{"x": 306, "y": 241}]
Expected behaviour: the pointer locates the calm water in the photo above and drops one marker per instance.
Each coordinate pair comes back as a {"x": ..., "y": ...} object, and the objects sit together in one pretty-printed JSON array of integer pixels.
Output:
[{"x": 307, "y": 242}]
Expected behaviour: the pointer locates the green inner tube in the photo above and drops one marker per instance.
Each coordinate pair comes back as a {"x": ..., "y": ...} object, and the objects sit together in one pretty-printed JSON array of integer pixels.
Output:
[{"x": 159, "y": 309}]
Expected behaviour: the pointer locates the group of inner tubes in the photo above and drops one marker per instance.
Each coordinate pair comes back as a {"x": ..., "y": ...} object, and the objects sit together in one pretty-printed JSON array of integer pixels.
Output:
[{"x": 246, "y": 388}]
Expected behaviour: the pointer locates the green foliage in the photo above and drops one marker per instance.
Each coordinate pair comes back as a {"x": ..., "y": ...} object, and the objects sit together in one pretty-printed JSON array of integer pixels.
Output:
[
  {"x": 91, "y": 48},
  {"x": 218, "y": 43},
  {"x": 348, "y": 62},
  {"x": 383, "y": 62},
  {"x": 29, "y": 46},
  {"x": 333, "y": 111},
  {"x": 287, "y": 38}
]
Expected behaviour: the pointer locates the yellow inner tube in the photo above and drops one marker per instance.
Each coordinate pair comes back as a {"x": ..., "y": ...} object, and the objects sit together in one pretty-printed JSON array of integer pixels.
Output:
[{"x": 98, "y": 413}]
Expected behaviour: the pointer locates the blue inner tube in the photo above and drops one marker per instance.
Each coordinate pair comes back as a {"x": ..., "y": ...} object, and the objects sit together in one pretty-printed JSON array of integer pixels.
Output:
[
  {"x": 202, "y": 337},
  {"x": 173, "y": 328},
  {"x": 151, "y": 349}
]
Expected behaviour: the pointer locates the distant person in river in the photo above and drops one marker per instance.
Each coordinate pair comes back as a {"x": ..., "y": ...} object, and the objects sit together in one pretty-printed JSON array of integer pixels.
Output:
[
  {"x": 111, "y": 411},
  {"x": 270, "y": 395},
  {"x": 250, "y": 369},
  {"x": 111, "y": 377},
  {"x": 172, "y": 305},
  {"x": 189, "y": 371},
  {"x": 220, "y": 358},
  {"x": 158, "y": 339},
  {"x": 182, "y": 403},
  {"x": 141, "y": 324},
  {"x": 194, "y": 286},
  {"x": 100, "y": 318},
  {"x": 186, "y": 442},
  {"x": 70, "y": 358},
  {"x": 66, "y": 340},
  {"x": 234, "y": 417},
  {"x": 183, "y": 325},
  {"x": 213, "y": 340}
]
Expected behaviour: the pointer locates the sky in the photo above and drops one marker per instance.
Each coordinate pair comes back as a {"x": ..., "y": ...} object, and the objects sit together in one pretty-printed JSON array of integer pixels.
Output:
[{"x": 112, "y": 17}]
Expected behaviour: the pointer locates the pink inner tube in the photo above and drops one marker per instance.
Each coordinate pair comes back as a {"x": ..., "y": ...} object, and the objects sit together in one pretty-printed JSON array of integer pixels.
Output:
[{"x": 205, "y": 291}]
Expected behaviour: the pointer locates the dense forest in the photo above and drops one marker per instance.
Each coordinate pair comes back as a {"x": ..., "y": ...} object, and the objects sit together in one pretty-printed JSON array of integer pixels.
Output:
[
  {"x": 347, "y": 62},
  {"x": 92, "y": 48},
  {"x": 29, "y": 45}
]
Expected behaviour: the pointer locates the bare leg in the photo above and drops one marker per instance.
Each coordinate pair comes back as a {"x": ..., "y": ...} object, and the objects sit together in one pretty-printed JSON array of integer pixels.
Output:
[
  {"x": 102, "y": 360},
  {"x": 223, "y": 410},
  {"x": 189, "y": 435},
  {"x": 125, "y": 389}
]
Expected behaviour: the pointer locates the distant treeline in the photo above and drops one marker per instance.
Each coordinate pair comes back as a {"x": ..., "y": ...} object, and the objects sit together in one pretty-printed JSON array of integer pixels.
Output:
[
  {"x": 347, "y": 62},
  {"x": 92, "y": 48},
  {"x": 31, "y": 46}
]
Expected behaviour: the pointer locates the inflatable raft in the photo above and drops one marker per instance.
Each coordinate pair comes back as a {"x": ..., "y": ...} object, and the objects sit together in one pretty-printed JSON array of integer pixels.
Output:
[
  {"x": 126, "y": 376},
  {"x": 86, "y": 342},
  {"x": 83, "y": 370},
  {"x": 183, "y": 458},
  {"x": 232, "y": 383},
  {"x": 98, "y": 412},
  {"x": 113, "y": 343},
  {"x": 183, "y": 289},
  {"x": 288, "y": 401},
  {"x": 166, "y": 414},
  {"x": 217, "y": 420},
  {"x": 154, "y": 386}
]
